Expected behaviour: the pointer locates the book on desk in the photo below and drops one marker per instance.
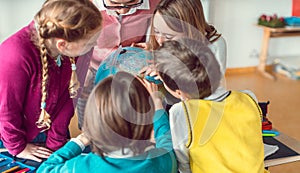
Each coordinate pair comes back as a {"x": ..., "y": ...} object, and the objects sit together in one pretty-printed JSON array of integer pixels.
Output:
[
  {"x": 289, "y": 150},
  {"x": 283, "y": 150}
]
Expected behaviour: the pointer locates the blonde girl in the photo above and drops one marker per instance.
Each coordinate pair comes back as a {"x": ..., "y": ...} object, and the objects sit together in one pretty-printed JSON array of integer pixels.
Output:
[{"x": 37, "y": 76}]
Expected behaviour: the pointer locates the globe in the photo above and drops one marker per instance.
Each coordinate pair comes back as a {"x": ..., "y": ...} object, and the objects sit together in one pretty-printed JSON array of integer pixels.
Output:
[{"x": 129, "y": 59}]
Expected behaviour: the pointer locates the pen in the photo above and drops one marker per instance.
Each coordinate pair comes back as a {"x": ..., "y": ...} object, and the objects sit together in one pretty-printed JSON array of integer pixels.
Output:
[
  {"x": 11, "y": 169},
  {"x": 268, "y": 134},
  {"x": 271, "y": 132},
  {"x": 23, "y": 170},
  {"x": 6, "y": 165}
]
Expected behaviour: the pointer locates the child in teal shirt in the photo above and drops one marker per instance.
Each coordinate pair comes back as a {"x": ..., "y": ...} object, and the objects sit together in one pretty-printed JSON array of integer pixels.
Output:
[{"x": 122, "y": 112}]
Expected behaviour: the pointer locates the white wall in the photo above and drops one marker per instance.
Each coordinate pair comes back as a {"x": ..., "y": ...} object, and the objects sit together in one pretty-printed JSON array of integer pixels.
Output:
[
  {"x": 206, "y": 7},
  {"x": 236, "y": 20},
  {"x": 15, "y": 14}
]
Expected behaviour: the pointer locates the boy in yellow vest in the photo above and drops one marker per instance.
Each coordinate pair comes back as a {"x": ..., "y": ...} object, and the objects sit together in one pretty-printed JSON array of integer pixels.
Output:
[{"x": 222, "y": 135}]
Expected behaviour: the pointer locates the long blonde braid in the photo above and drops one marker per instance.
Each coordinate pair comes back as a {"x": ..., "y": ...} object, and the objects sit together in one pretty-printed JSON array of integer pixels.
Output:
[
  {"x": 44, "y": 118},
  {"x": 70, "y": 20}
]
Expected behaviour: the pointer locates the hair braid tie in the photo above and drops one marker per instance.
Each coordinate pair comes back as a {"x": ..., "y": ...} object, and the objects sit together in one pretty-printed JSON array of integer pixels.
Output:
[
  {"x": 44, "y": 119},
  {"x": 74, "y": 83}
]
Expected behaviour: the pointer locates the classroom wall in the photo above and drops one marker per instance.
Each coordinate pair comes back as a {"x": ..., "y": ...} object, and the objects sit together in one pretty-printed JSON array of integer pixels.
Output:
[
  {"x": 14, "y": 14},
  {"x": 235, "y": 19}
]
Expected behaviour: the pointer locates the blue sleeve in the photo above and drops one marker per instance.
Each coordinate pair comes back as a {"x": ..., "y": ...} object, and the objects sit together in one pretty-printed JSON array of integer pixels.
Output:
[
  {"x": 162, "y": 131},
  {"x": 60, "y": 161}
]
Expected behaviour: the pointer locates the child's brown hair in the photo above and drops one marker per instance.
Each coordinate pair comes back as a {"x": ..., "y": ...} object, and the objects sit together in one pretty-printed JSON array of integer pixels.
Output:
[
  {"x": 119, "y": 115},
  {"x": 188, "y": 65}
]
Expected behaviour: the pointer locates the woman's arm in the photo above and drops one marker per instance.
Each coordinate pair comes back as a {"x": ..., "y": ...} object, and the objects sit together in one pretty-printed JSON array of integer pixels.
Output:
[{"x": 57, "y": 135}]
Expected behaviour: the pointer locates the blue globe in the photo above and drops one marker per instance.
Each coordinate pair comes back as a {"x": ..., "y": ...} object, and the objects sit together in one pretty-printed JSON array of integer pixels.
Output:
[{"x": 129, "y": 59}]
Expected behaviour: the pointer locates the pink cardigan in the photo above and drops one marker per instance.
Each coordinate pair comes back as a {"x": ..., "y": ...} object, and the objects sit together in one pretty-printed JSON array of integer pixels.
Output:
[{"x": 20, "y": 94}]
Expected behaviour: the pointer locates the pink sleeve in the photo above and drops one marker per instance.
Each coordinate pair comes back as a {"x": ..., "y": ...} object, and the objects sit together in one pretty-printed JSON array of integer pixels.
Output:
[
  {"x": 57, "y": 135},
  {"x": 14, "y": 81}
]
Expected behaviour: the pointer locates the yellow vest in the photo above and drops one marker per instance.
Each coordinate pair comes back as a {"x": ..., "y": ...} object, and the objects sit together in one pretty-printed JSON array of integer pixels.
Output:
[{"x": 225, "y": 137}]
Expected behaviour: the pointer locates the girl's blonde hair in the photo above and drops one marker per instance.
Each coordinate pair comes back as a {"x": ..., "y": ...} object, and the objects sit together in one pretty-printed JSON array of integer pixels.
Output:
[
  {"x": 185, "y": 16},
  {"x": 71, "y": 20}
]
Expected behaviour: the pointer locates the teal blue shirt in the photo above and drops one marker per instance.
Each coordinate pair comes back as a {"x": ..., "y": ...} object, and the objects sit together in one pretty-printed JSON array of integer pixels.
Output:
[{"x": 159, "y": 159}]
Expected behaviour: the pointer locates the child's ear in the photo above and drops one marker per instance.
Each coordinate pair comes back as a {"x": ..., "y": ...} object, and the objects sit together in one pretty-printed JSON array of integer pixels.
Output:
[
  {"x": 61, "y": 45},
  {"x": 178, "y": 93},
  {"x": 181, "y": 95}
]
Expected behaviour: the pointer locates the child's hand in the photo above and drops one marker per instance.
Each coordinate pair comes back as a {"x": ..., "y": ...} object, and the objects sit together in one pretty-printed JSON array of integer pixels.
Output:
[
  {"x": 83, "y": 139},
  {"x": 145, "y": 46},
  {"x": 155, "y": 93},
  {"x": 149, "y": 70},
  {"x": 152, "y": 87},
  {"x": 35, "y": 152}
]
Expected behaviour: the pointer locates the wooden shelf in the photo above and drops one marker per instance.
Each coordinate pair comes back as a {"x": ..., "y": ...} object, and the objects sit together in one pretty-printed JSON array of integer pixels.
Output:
[{"x": 273, "y": 33}]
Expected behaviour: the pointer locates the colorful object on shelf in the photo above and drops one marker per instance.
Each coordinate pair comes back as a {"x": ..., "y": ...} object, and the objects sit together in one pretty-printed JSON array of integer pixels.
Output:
[
  {"x": 292, "y": 21},
  {"x": 266, "y": 123},
  {"x": 271, "y": 21}
]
